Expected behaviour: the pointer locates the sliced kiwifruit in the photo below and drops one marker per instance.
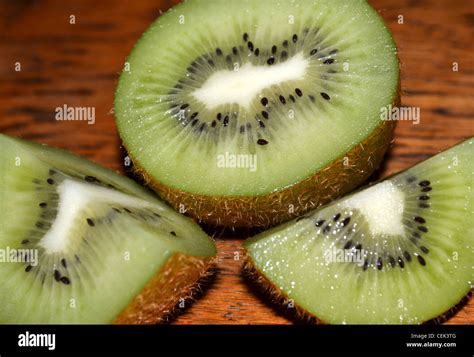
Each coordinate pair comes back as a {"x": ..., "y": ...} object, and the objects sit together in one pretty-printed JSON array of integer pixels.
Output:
[
  {"x": 399, "y": 251},
  {"x": 246, "y": 113},
  {"x": 82, "y": 244}
]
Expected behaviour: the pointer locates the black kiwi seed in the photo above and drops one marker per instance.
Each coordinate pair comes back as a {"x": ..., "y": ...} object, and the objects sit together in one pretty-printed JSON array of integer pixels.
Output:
[
  {"x": 226, "y": 120},
  {"x": 329, "y": 61},
  {"x": 366, "y": 265},
  {"x": 285, "y": 43},
  {"x": 52, "y": 172},
  {"x": 235, "y": 51},
  {"x": 325, "y": 95},
  {"x": 157, "y": 214},
  {"x": 421, "y": 260},
  {"x": 346, "y": 221},
  {"x": 411, "y": 179},
  {"x": 43, "y": 204},
  {"x": 194, "y": 115},
  {"x": 282, "y": 99},
  {"x": 327, "y": 228},
  {"x": 219, "y": 116},
  {"x": 313, "y": 52},
  {"x": 218, "y": 52},
  {"x": 419, "y": 219},
  {"x": 90, "y": 222},
  {"x": 423, "y": 229},
  {"x": 379, "y": 263},
  {"x": 28, "y": 268},
  {"x": 246, "y": 37},
  {"x": 39, "y": 224},
  {"x": 250, "y": 45},
  {"x": 57, "y": 275},
  {"x": 91, "y": 179},
  {"x": 424, "y": 249},
  {"x": 333, "y": 52},
  {"x": 424, "y": 198},
  {"x": 65, "y": 280},
  {"x": 264, "y": 114},
  {"x": 413, "y": 240},
  {"x": 319, "y": 223},
  {"x": 392, "y": 261},
  {"x": 264, "y": 101},
  {"x": 401, "y": 263},
  {"x": 50, "y": 181},
  {"x": 424, "y": 183},
  {"x": 284, "y": 55},
  {"x": 116, "y": 210},
  {"x": 25, "y": 241},
  {"x": 63, "y": 263},
  {"x": 348, "y": 245},
  {"x": 214, "y": 123},
  {"x": 295, "y": 38},
  {"x": 228, "y": 58},
  {"x": 274, "y": 49},
  {"x": 242, "y": 129},
  {"x": 292, "y": 98},
  {"x": 261, "y": 123},
  {"x": 312, "y": 98},
  {"x": 184, "y": 106},
  {"x": 424, "y": 205},
  {"x": 271, "y": 60},
  {"x": 358, "y": 247},
  {"x": 298, "y": 92},
  {"x": 336, "y": 217},
  {"x": 262, "y": 142},
  {"x": 211, "y": 62},
  {"x": 256, "y": 52},
  {"x": 194, "y": 122},
  {"x": 407, "y": 256},
  {"x": 203, "y": 126},
  {"x": 416, "y": 235},
  {"x": 426, "y": 189},
  {"x": 173, "y": 233}
]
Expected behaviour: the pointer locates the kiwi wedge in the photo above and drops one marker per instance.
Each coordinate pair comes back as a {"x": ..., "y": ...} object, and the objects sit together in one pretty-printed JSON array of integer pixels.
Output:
[
  {"x": 247, "y": 113},
  {"x": 82, "y": 244},
  {"x": 398, "y": 252}
]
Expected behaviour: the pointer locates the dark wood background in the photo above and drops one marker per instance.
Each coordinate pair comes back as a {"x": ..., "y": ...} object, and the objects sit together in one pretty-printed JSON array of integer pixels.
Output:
[{"x": 78, "y": 65}]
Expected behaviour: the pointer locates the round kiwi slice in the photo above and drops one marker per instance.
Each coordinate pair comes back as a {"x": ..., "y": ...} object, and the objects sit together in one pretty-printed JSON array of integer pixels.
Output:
[
  {"x": 81, "y": 244},
  {"x": 400, "y": 251},
  {"x": 247, "y": 113}
]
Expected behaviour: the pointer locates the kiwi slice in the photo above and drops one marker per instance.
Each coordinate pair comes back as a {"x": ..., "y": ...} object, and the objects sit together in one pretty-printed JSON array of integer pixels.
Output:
[
  {"x": 400, "y": 251},
  {"x": 247, "y": 113},
  {"x": 82, "y": 244}
]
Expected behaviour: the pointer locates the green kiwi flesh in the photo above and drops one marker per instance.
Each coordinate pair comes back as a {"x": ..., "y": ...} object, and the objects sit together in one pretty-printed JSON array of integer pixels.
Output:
[
  {"x": 232, "y": 100},
  {"x": 78, "y": 243},
  {"x": 400, "y": 251}
]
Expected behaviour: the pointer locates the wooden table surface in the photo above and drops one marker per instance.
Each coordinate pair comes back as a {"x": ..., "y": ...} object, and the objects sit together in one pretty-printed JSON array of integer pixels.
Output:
[{"x": 78, "y": 65}]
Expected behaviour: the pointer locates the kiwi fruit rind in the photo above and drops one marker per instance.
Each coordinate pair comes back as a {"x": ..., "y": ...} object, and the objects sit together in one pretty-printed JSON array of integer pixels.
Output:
[
  {"x": 82, "y": 244},
  {"x": 247, "y": 113},
  {"x": 400, "y": 251}
]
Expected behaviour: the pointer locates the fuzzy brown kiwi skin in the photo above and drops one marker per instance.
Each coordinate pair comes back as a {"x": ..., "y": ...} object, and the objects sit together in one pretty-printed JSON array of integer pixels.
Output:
[
  {"x": 268, "y": 210},
  {"x": 278, "y": 298},
  {"x": 180, "y": 279}
]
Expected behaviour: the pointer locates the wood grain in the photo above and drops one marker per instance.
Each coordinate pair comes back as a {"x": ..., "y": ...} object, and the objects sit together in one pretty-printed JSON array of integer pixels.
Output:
[{"x": 78, "y": 65}]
